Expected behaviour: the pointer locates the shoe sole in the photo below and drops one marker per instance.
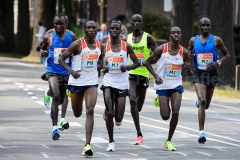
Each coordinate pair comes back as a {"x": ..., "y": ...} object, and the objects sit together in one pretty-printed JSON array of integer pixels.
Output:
[
  {"x": 89, "y": 153},
  {"x": 110, "y": 150},
  {"x": 202, "y": 140},
  {"x": 56, "y": 137},
  {"x": 65, "y": 126},
  {"x": 137, "y": 143}
]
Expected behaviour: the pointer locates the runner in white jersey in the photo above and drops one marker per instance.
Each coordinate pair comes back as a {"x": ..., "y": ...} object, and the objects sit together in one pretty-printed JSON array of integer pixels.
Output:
[
  {"x": 168, "y": 80},
  {"x": 115, "y": 83},
  {"x": 83, "y": 81}
]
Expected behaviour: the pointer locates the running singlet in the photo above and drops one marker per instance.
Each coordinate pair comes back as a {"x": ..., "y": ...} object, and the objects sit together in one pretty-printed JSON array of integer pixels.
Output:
[
  {"x": 86, "y": 64},
  {"x": 54, "y": 52},
  {"x": 142, "y": 53},
  {"x": 115, "y": 77},
  {"x": 204, "y": 52},
  {"x": 169, "y": 69}
]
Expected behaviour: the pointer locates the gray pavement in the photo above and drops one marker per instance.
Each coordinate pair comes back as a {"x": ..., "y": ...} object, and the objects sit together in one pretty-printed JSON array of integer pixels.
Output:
[{"x": 25, "y": 125}]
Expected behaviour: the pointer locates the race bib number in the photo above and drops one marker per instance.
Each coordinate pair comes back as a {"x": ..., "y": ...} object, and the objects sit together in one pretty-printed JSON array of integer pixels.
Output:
[
  {"x": 114, "y": 64},
  {"x": 89, "y": 62},
  {"x": 140, "y": 57},
  {"x": 57, "y": 54},
  {"x": 172, "y": 72},
  {"x": 203, "y": 60}
]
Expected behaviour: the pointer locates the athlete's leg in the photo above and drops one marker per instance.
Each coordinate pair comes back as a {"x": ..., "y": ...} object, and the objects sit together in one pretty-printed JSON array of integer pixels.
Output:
[
  {"x": 55, "y": 93},
  {"x": 64, "y": 106},
  {"x": 201, "y": 92},
  {"x": 119, "y": 108},
  {"x": 164, "y": 107},
  {"x": 141, "y": 94},
  {"x": 209, "y": 96},
  {"x": 176, "y": 99},
  {"x": 77, "y": 102},
  {"x": 90, "y": 96},
  {"x": 109, "y": 102},
  {"x": 133, "y": 104}
]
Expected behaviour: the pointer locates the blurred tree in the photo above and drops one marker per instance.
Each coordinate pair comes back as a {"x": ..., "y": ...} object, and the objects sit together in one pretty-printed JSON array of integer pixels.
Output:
[
  {"x": 132, "y": 7},
  {"x": 23, "y": 32},
  {"x": 221, "y": 16},
  {"x": 43, "y": 10},
  {"x": 7, "y": 40},
  {"x": 182, "y": 16}
]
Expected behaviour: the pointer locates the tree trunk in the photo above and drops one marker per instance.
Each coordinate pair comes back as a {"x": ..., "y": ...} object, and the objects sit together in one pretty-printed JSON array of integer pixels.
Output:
[
  {"x": 42, "y": 8},
  {"x": 23, "y": 34},
  {"x": 7, "y": 40},
  {"x": 221, "y": 16},
  {"x": 182, "y": 16},
  {"x": 132, "y": 7}
]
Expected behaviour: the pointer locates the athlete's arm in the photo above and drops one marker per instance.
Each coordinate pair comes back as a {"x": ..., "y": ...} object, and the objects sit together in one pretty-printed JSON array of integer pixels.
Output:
[
  {"x": 133, "y": 57},
  {"x": 75, "y": 48},
  {"x": 186, "y": 60},
  {"x": 190, "y": 47},
  {"x": 45, "y": 44},
  {"x": 100, "y": 63},
  {"x": 73, "y": 36},
  {"x": 219, "y": 43},
  {"x": 151, "y": 43},
  {"x": 153, "y": 59}
]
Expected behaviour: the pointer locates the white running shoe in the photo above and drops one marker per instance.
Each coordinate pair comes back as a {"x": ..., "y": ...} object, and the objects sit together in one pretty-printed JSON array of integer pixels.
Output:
[{"x": 111, "y": 147}]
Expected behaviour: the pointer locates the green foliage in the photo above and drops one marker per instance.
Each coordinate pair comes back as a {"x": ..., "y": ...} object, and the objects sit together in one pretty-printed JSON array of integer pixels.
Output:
[
  {"x": 156, "y": 25},
  {"x": 77, "y": 31}
]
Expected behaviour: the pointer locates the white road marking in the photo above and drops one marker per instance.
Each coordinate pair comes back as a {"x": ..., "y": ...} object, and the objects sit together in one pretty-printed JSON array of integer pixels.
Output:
[
  {"x": 30, "y": 86},
  {"x": 96, "y": 140},
  {"x": 29, "y": 93},
  {"x": 17, "y": 83},
  {"x": 34, "y": 97},
  {"x": 6, "y": 80},
  {"x": 21, "y": 86},
  {"x": 74, "y": 124},
  {"x": 48, "y": 112},
  {"x": 44, "y": 146},
  {"x": 46, "y": 156},
  {"x": 40, "y": 89},
  {"x": 132, "y": 154},
  {"x": 204, "y": 154},
  {"x": 40, "y": 102},
  {"x": 97, "y": 145},
  {"x": 144, "y": 146},
  {"x": 103, "y": 154},
  {"x": 180, "y": 153},
  {"x": 25, "y": 89},
  {"x": 222, "y": 149}
]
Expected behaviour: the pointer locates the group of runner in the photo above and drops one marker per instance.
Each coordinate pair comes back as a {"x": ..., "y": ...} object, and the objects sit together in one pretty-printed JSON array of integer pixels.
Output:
[{"x": 73, "y": 64}]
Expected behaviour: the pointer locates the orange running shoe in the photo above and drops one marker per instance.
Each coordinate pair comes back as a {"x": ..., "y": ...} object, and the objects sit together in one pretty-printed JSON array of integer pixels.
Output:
[{"x": 139, "y": 140}]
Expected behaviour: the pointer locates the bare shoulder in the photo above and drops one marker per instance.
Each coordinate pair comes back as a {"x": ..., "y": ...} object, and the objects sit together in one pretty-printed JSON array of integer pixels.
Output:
[{"x": 192, "y": 39}]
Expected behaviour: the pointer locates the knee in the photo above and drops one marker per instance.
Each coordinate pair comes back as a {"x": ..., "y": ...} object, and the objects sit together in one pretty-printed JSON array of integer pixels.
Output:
[
  {"x": 165, "y": 116},
  {"x": 110, "y": 114},
  {"x": 118, "y": 119},
  {"x": 77, "y": 114},
  {"x": 203, "y": 102},
  {"x": 132, "y": 101},
  {"x": 175, "y": 114},
  {"x": 56, "y": 96},
  {"x": 90, "y": 111}
]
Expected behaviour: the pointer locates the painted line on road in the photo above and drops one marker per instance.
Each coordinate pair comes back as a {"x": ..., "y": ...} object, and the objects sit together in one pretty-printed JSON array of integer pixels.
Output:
[
  {"x": 204, "y": 154},
  {"x": 103, "y": 154},
  {"x": 6, "y": 80},
  {"x": 30, "y": 93},
  {"x": 46, "y": 156},
  {"x": 131, "y": 154},
  {"x": 97, "y": 145},
  {"x": 180, "y": 153},
  {"x": 222, "y": 149},
  {"x": 44, "y": 146}
]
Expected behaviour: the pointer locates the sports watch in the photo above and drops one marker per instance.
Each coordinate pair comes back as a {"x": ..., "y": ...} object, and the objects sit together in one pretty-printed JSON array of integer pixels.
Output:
[{"x": 219, "y": 62}]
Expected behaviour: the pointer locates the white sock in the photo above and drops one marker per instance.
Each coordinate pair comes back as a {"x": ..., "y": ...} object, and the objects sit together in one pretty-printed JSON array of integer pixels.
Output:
[
  {"x": 55, "y": 127},
  {"x": 201, "y": 132},
  {"x": 61, "y": 119}
]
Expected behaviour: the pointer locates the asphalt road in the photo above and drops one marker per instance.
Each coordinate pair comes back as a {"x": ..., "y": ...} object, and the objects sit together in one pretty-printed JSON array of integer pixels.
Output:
[{"x": 25, "y": 125}]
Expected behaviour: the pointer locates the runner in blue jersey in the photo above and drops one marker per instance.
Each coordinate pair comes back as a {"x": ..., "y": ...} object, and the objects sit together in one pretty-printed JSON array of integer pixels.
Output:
[
  {"x": 203, "y": 50},
  {"x": 56, "y": 43}
]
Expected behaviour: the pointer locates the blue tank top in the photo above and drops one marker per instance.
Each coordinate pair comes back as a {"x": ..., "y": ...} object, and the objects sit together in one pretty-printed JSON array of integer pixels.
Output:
[
  {"x": 204, "y": 52},
  {"x": 54, "y": 52}
]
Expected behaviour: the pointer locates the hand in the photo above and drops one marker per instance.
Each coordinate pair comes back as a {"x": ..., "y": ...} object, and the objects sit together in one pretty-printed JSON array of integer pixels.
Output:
[
  {"x": 187, "y": 66},
  {"x": 44, "y": 53},
  {"x": 158, "y": 80},
  {"x": 105, "y": 69},
  {"x": 124, "y": 68},
  {"x": 75, "y": 74},
  {"x": 211, "y": 65}
]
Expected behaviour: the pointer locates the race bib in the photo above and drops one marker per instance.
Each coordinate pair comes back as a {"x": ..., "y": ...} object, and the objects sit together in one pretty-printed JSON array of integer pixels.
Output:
[
  {"x": 89, "y": 62},
  {"x": 203, "y": 60},
  {"x": 114, "y": 64},
  {"x": 57, "y": 54},
  {"x": 172, "y": 72},
  {"x": 140, "y": 57}
]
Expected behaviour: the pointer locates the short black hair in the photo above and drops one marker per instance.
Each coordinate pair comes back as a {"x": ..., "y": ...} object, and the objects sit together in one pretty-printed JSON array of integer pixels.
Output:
[
  {"x": 115, "y": 20},
  {"x": 40, "y": 23},
  {"x": 175, "y": 27},
  {"x": 204, "y": 18},
  {"x": 59, "y": 15},
  {"x": 87, "y": 22}
]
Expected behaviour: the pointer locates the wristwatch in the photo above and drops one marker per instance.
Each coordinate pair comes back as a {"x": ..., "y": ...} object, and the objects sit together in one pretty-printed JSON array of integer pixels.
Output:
[{"x": 219, "y": 62}]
